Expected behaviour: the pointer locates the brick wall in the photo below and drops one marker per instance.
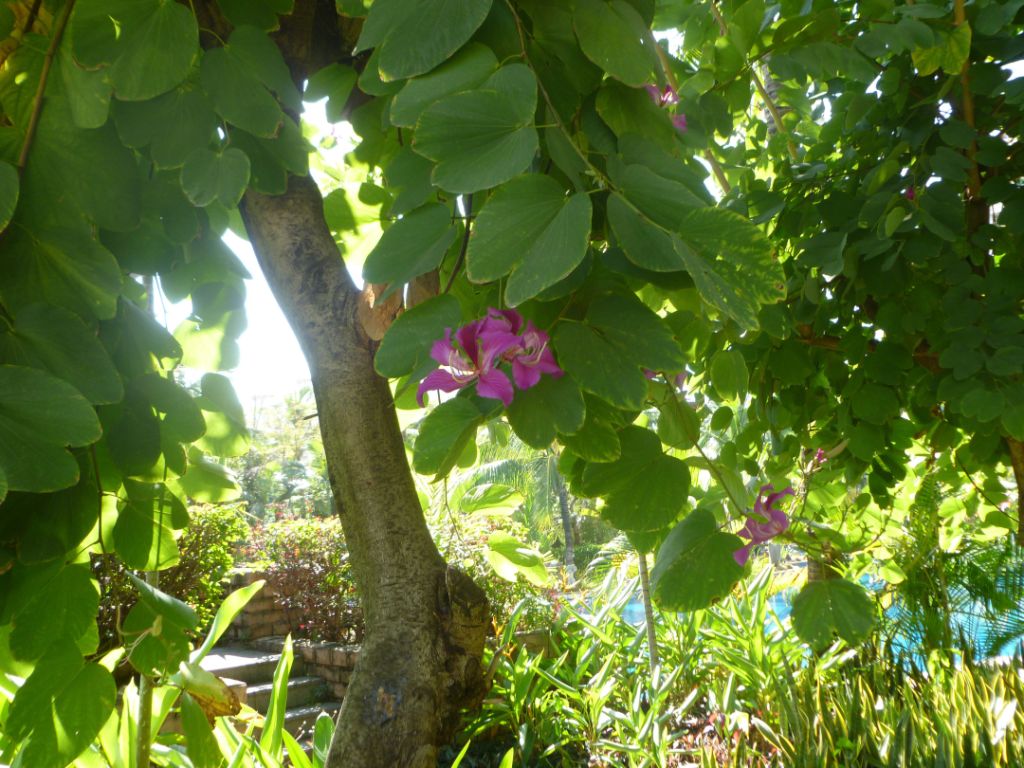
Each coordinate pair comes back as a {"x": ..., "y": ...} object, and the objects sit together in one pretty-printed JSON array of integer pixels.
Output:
[
  {"x": 265, "y": 616},
  {"x": 333, "y": 662}
]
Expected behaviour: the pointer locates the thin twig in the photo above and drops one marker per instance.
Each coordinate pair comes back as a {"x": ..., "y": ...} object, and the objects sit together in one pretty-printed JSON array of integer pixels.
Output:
[
  {"x": 465, "y": 242},
  {"x": 978, "y": 488},
  {"x": 967, "y": 103},
  {"x": 37, "y": 106},
  {"x": 773, "y": 110},
  {"x": 716, "y": 169},
  {"x": 33, "y": 14},
  {"x": 673, "y": 82}
]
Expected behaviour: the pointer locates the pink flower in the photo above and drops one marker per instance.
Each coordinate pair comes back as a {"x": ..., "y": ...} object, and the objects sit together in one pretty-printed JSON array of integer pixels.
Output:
[
  {"x": 480, "y": 347},
  {"x": 765, "y": 524},
  {"x": 667, "y": 97},
  {"x": 820, "y": 458},
  {"x": 909, "y": 193},
  {"x": 677, "y": 379},
  {"x": 663, "y": 97}
]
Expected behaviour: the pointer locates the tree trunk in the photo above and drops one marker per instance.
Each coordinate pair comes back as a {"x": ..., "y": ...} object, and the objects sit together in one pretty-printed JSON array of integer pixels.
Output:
[
  {"x": 425, "y": 621},
  {"x": 567, "y": 531}
]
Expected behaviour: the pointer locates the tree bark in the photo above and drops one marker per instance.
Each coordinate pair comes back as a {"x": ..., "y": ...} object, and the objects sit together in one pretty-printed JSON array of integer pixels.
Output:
[
  {"x": 425, "y": 621},
  {"x": 567, "y": 528}
]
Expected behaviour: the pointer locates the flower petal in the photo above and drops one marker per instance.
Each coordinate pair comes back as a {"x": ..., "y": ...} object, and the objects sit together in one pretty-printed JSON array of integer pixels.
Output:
[
  {"x": 442, "y": 350},
  {"x": 495, "y": 384},
  {"x": 525, "y": 376},
  {"x": 505, "y": 319},
  {"x": 741, "y": 555},
  {"x": 439, "y": 379}
]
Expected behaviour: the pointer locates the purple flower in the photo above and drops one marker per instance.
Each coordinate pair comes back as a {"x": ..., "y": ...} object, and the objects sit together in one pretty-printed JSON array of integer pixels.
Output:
[
  {"x": 667, "y": 97},
  {"x": 677, "y": 380},
  {"x": 820, "y": 458},
  {"x": 909, "y": 193},
  {"x": 663, "y": 97},
  {"x": 480, "y": 347},
  {"x": 765, "y": 524},
  {"x": 532, "y": 356}
]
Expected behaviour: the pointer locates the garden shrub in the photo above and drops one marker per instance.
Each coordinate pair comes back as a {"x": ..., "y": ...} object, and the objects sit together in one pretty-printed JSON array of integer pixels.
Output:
[
  {"x": 206, "y": 551},
  {"x": 307, "y": 564}
]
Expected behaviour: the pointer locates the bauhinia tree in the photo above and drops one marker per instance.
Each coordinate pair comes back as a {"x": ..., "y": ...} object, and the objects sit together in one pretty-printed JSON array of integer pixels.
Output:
[{"x": 785, "y": 242}]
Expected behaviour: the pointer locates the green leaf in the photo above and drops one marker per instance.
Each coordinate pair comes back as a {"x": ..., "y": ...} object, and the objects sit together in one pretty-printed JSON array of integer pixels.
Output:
[
  {"x": 833, "y": 606},
  {"x": 1013, "y": 421},
  {"x": 825, "y": 251},
  {"x": 729, "y": 374},
  {"x": 490, "y": 497},
  {"x": 481, "y": 138},
  {"x": 171, "y": 609},
  {"x": 334, "y": 83},
  {"x": 156, "y": 52},
  {"x": 411, "y": 37},
  {"x": 695, "y": 565},
  {"x": 62, "y": 705},
  {"x": 55, "y": 340},
  {"x": 88, "y": 91},
  {"x": 510, "y": 559},
  {"x": 208, "y": 481},
  {"x": 645, "y": 489},
  {"x": 640, "y": 334},
  {"x": 405, "y": 348},
  {"x": 270, "y": 739},
  {"x": 679, "y": 425},
  {"x": 155, "y": 647},
  {"x": 142, "y": 535},
  {"x": 444, "y": 434},
  {"x": 598, "y": 365},
  {"x": 63, "y": 607},
  {"x": 172, "y": 125},
  {"x": 69, "y": 165},
  {"x": 533, "y": 230},
  {"x": 9, "y": 188},
  {"x": 62, "y": 267},
  {"x": 983, "y": 404},
  {"x": 413, "y": 245},
  {"x": 646, "y": 244},
  {"x": 39, "y": 416},
  {"x": 203, "y": 750},
  {"x": 875, "y": 404},
  {"x": 207, "y": 176},
  {"x": 949, "y": 54},
  {"x": 467, "y": 69},
  {"x": 553, "y": 405},
  {"x": 229, "y": 608},
  {"x": 614, "y": 36},
  {"x": 632, "y": 112},
  {"x": 237, "y": 90},
  {"x": 597, "y": 440},
  {"x": 226, "y": 434},
  {"x": 132, "y": 433},
  {"x": 183, "y": 420},
  {"x": 257, "y": 13}
]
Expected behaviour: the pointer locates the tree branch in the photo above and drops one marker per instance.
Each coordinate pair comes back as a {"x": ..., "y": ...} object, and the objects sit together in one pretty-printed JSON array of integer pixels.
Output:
[
  {"x": 773, "y": 110},
  {"x": 1017, "y": 462},
  {"x": 37, "y": 104}
]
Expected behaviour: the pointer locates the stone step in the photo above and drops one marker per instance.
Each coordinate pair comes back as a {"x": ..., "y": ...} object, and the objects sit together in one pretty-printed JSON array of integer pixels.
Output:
[
  {"x": 246, "y": 664},
  {"x": 301, "y": 692},
  {"x": 300, "y": 720}
]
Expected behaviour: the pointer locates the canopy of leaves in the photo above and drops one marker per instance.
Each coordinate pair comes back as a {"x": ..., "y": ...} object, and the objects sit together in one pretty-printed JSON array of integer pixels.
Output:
[{"x": 814, "y": 213}]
